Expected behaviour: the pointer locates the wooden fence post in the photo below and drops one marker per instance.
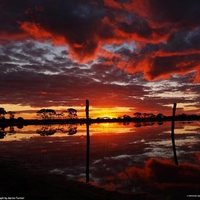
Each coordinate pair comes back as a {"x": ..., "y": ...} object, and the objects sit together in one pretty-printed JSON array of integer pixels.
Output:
[
  {"x": 88, "y": 142},
  {"x": 172, "y": 134}
]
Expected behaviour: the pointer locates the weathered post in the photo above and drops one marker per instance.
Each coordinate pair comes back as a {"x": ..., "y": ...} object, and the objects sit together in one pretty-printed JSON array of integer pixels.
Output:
[
  {"x": 172, "y": 134},
  {"x": 88, "y": 142}
]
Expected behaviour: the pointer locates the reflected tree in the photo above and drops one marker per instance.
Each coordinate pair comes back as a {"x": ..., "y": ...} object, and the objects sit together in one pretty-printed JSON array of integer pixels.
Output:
[
  {"x": 148, "y": 123},
  {"x": 137, "y": 124},
  {"x": 71, "y": 130},
  {"x": 12, "y": 130},
  {"x": 160, "y": 123},
  {"x": 2, "y": 132},
  {"x": 46, "y": 130},
  {"x": 172, "y": 134}
]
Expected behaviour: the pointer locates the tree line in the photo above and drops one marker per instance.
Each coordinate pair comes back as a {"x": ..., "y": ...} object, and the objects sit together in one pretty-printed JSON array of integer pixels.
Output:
[
  {"x": 47, "y": 114},
  {"x": 3, "y": 112},
  {"x": 159, "y": 116},
  {"x": 71, "y": 113},
  {"x": 44, "y": 113}
]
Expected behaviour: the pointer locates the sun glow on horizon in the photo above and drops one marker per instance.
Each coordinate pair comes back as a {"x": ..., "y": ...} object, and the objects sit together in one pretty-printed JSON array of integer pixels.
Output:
[
  {"x": 112, "y": 112},
  {"x": 28, "y": 112}
]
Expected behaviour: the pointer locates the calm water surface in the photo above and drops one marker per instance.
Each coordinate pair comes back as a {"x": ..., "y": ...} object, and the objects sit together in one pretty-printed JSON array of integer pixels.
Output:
[{"x": 130, "y": 157}]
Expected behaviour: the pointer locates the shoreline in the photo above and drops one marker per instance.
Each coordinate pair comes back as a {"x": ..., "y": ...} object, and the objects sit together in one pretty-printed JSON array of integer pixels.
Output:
[
  {"x": 20, "y": 180},
  {"x": 26, "y": 122}
]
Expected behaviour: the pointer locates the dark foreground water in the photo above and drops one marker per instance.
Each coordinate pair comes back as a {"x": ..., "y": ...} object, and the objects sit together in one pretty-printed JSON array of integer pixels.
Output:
[{"x": 131, "y": 157}]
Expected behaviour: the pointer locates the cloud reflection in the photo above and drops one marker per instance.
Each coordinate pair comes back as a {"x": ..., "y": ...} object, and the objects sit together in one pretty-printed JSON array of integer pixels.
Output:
[{"x": 139, "y": 160}]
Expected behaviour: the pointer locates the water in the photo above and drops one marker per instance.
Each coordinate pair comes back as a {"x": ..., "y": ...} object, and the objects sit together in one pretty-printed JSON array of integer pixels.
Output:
[{"x": 127, "y": 157}]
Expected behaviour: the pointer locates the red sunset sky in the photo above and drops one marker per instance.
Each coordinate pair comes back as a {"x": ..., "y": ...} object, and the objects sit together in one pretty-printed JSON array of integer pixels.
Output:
[{"x": 123, "y": 55}]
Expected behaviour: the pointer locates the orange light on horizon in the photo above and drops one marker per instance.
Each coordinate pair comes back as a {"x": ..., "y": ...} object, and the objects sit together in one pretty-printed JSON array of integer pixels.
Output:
[
  {"x": 28, "y": 112},
  {"x": 112, "y": 112}
]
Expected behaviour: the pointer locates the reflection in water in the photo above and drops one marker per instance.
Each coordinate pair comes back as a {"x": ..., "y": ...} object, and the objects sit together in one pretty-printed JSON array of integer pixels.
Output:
[
  {"x": 71, "y": 129},
  {"x": 172, "y": 135},
  {"x": 160, "y": 177},
  {"x": 122, "y": 157},
  {"x": 2, "y": 132},
  {"x": 46, "y": 130},
  {"x": 51, "y": 130}
]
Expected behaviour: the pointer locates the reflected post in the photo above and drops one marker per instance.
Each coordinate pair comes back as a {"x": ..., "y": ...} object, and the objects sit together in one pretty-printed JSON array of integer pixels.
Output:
[
  {"x": 172, "y": 135},
  {"x": 88, "y": 142}
]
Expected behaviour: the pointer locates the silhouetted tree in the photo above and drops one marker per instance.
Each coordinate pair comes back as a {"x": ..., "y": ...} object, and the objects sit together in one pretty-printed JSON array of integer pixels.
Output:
[
  {"x": 20, "y": 119},
  {"x": 46, "y": 113},
  {"x": 137, "y": 114},
  {"x": 182, "y": 116},
  {"x": 145, "y": 115},
  {"x": 11, "y": 114},
  {"x": 60, "y": 114},
  {"x": 151, "y": 115},
  {"x": 2, "y": 113},
  {"x": 126, "y": 117},
  {"x": 148, "y": 115},
  {"x": 159, "y": 116},
  {"x": 72, "y": 113}
]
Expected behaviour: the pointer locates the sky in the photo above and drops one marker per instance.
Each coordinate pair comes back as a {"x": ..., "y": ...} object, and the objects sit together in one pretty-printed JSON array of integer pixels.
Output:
[{"x": 125, "y": 56}]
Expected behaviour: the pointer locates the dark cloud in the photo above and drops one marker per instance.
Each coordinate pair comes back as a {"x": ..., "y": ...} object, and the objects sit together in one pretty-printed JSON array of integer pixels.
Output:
[
  {"x": 167, "y": 29},
  {"x": 177, "y": 13},
  {"x": 79, "y": 22},
  {"x": 188, "y": 41},
  {"x": 116, "y": 46},
  {"x": 161, "y": 66},
  {"x": 11, "y": 12},
  {"x": 137, "y": 26},
  {"x": 53, "y": 79},
  {"x": 37, "y": 74},
  {"x": 85, "y": 26}
]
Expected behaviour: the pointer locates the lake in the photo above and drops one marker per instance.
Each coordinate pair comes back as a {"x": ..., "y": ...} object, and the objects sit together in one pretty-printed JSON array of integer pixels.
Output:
[{"x": 126, "y": 157}]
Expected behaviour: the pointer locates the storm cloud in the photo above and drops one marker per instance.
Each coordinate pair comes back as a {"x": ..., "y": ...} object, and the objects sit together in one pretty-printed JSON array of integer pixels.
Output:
[{"x": 115, "y": 45}]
